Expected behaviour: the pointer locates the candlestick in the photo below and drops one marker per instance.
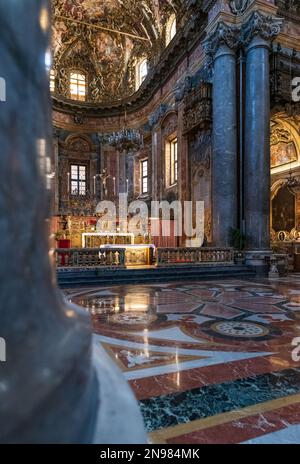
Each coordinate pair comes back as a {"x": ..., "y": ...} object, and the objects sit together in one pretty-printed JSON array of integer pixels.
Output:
[
  {"x": 127, "y": 182},
  {"x": 94, "y": 185},
  {"x": 68, "y": 182},
  {"x": 114, "y": 179}
]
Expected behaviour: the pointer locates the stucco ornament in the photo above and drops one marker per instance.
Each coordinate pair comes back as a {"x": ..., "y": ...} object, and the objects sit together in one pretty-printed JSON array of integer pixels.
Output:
[
  {"x": 266, "y": 27},
  {"x": 224, "y": 34},
  {"x": 238, "y": 6}
]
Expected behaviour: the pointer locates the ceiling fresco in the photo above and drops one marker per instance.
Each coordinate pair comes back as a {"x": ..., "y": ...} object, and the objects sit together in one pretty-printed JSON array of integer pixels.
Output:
[{"x": 108, "y": 58}]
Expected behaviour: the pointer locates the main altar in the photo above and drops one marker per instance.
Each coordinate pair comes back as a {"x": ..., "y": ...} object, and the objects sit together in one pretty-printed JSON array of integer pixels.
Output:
[{"x": 135, "y": 254}]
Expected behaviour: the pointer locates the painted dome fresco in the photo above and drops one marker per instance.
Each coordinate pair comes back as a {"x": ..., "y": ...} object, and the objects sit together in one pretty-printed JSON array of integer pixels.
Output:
[{"x": 103, "y": 42}]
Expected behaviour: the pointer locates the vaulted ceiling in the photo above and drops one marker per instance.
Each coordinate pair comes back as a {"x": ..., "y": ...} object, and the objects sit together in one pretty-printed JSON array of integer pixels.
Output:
[{"x": 82, "y": 39}]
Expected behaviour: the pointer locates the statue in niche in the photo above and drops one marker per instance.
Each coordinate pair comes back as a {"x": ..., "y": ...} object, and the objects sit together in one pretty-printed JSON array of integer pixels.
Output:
[{"x": 238, "y": 7}]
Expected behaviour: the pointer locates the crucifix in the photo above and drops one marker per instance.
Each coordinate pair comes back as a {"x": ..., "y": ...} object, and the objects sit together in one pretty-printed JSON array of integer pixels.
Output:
[{"x": 103, "y": 176}]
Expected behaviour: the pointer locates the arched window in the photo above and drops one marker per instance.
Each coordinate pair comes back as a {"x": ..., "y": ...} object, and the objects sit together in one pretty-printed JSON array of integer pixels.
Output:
[
  {"x": 77, "y": 86},
  {"x": 141, "y": 72},
  {"x": 171, "y": 29}
]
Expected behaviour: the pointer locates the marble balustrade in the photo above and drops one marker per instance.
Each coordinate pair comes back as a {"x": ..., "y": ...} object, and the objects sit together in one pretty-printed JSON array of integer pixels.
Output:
[
  {"x": 197, "y": 256},
  {"x": 107, "y": 258},
  {"x": 90, "y": 257}
]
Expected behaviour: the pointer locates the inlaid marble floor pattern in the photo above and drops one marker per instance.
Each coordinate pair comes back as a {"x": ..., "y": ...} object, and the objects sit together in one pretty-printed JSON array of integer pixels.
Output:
[{"x": 209, "y": 361}]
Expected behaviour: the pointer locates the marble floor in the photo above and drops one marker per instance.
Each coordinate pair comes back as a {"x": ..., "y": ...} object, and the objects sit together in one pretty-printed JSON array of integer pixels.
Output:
[{"x": 208, "y": 361}]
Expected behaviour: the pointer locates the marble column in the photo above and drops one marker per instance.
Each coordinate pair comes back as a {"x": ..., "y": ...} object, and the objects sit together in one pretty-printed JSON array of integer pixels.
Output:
[
  {"x": 256, "y": 35},
  {"x": 49, "y": 386},
  {"x": 122, "y": 172},
  {"x": 157, "y": 167},
  {"x": 56, "y": 133},
  {"x": 221, "y": 48},
  {"x": 184, "y": 188}
]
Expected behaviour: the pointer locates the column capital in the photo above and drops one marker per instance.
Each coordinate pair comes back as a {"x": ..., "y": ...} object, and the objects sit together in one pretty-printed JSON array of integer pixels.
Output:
[
  {"x": 224, "y": 34},
  {"x": 260, "y": 26}
]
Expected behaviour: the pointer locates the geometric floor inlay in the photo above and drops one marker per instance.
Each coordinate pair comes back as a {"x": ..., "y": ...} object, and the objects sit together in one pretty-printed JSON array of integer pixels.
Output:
[{"x": 209, "y": 361}]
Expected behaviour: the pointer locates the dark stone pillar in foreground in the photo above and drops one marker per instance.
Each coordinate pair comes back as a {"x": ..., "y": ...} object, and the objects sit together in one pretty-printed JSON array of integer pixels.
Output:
[
  {"x": 49, "y": 389},
  {"x": 256, "y": 35},
  {"x": 221, "y": 46}
]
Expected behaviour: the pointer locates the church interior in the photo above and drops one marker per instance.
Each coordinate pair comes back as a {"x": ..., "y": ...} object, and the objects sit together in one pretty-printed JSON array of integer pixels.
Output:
[{"x": 150, "y": 222}]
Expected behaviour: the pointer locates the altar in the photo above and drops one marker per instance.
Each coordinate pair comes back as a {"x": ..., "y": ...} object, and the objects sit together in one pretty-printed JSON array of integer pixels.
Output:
[
  {"x": 135, "y": 254},
  {"x": 99, "y": 239}
]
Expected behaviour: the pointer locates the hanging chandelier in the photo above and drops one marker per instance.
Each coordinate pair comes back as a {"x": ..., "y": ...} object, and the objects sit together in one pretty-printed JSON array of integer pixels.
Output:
[
  {"x": 293, "y": 184},
  {"x": 125, "y": 140}
]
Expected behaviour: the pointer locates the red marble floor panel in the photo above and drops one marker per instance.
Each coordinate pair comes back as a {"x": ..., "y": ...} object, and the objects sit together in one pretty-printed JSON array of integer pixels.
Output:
[
  {"x": 173, "y": 297},
  {"x": 255, "y": 308},
  {"x": 178, "y": 308},
  {"x": 209, "y": 375},
  {"x": 205, "y": 295},
  {"x": 218, "y": 310},
  {"x": 229, "y": 296}
]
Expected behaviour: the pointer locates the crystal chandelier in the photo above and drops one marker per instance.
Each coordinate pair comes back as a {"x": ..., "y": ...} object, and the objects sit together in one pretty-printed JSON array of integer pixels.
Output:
[
  {"x": 124, "y": 140},
  {"x": 293, "y": 184}
]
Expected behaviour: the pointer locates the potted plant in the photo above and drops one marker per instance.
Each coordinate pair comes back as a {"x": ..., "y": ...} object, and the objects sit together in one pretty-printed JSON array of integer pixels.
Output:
[{"x": 238, "y": 241}]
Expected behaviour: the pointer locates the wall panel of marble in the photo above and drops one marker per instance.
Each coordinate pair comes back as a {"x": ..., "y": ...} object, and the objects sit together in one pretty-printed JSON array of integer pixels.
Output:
[{"x": 200, "y": 175}]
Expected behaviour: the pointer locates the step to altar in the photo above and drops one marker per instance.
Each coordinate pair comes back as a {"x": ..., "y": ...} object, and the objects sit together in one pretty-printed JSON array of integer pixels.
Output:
[{"x": 99, "y": 277}]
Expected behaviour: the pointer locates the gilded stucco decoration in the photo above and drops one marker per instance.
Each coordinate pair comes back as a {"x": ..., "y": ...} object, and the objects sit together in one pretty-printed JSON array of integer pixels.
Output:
[
  {"x": 283, "y": 143},
  {"x": 107, "y": 58}
]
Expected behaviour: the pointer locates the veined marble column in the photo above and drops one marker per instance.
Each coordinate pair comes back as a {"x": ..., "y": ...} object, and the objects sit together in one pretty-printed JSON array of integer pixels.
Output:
[
  {"x": 221, "y": 46},
  {"x": 157, "y": 167},
  {"x": 56, "y": 170},
  {"x": 255, "y": 36},
  {"x": 49, "y": 386}
]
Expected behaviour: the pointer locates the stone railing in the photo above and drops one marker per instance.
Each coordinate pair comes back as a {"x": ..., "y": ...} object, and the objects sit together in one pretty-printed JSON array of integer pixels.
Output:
[
  {"x": 89, "y": 257},
  {"x": 171, "y": 256}
]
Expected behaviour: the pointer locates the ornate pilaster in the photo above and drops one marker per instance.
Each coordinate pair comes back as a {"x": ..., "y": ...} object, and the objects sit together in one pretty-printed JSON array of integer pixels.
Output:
[
  {"x": 221, "y": 50},
  {"x": 256, "y": 36}
]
